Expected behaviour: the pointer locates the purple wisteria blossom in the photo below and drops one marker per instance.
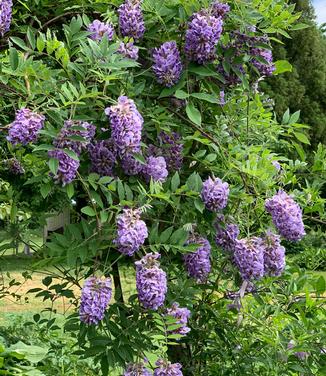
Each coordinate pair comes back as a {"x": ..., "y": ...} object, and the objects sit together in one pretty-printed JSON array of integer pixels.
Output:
[
  {"x": 126, "y": 124},
  {"x": 137, "y": 369},
  {"x": 128, "y": 50},
  {"x": 202, "y": 35},
  {"x": 181, "y": 315},
  {"x": 131, "y": 231},
  {"x": 277, "y": 165},
  {"x": 103, "y": 157},
  {"x": 274, "y": 254},
  {"x": 14, "y": 166},
  {"x": 301, "y": 355},
  {"x": 286, "y": 215},
  {"x": 226, "y": 235},
  {"x": 198, "y": 263},
  {"x": 215, "y": 194},
  {"x": 167, "y": 64},
  {"x": 220, "y": 10},
  {"x": 26, "y": 126},
  {"x": 249, "y": 258},
  {"x": 67, "y": 166},
  {"x": 155, "y": 168},
  {"x": 166, "y": 368},
  {"x": 222, "y": 98},
  {"x": 131, "y": 21},
  {"x": 95, "y": 297},
  {"x": 264, "y": 68},
  {"x": 99, "y": 30},
  {"x": 150, "y": 281},
  {"x": 130, "y": 165},
  {"x": 5, "y": 16},
  {"x": 170, "y": 148},
  {"x": 71, "y": 130}
]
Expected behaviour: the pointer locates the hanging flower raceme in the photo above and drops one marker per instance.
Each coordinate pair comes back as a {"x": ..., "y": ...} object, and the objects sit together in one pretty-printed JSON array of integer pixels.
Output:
[
  {"x": 266, "y": 67},
  {"x": 215, "y": 194},
  {"x": 131, "y": 21},
  {"x": 14, "y": 166},
  {"x": 150, "y": 281},
  {"x": 274, "y": 254},
  {"x": 172, "y": 150},
  {"x": 286, "y": 215},
  {"x": 226, "y": 235},
  {"x": 128, "y": 50},
  {"x": 99, "y": 30},
  {"x": 203, "y": 33},
  {"x": 198, "y": 263},
  {"x": 166, "y": 368},
  {"x": 167, "y": 64},
  {"x": 67, "y": 166},
  {"x": 5, "y": 16},
  {"x": 130, "y": 165},
  {"x": 137, "y": 369},
  {"x": 131, "y": 231},
  {"x": 155, "y": 168},
  {"x": 126, "y": 124},
  {"x": 95, "y": 297},
  {"x": 181, "y": 315},
  {"x": 219, "y": 10},
  {"x": 25, "y": 127},
  {"x": 103, "y": 157},
  {"x": 70, "y": 131},
  {"x": 249, "y": 258}
]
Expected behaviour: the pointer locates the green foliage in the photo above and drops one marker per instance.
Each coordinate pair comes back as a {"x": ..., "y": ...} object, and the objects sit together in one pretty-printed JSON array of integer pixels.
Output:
[{"x": 53, "y": 67}]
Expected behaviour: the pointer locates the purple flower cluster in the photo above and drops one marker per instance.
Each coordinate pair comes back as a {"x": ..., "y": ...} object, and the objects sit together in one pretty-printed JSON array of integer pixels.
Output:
[
  {"x": 71, "y": 135},
  {"x": 274, "y": 255},
  {"x": 137, "y": 369},
  {"x": 95, "y": 297},
  {"x": 25, "y": 127},
  {"x": 155, "y": 168},
  {"x": 286, "y": 215},
  {"x": 203, "y": 33},
  {"x": 166, "y": 368},
  {"x": 226, "y": 236},
  {"x": 67, "y": 169},
  {"x": 126, "y": 123},
  {"x": 5, "y": 16},
  {"x": 130, "y": 165},
  {"x": 128, "y": 50},
  {"x": 99, "y": 30},
  {"x": 198, "y": 263},
  {"x": 249, "y": 257},
  {"x": 150, "y": 281},
  {"x": 171, "y": 149},
  {"x": 167, "y": 64},
  {"x": 301, "y": 355},
  {"x": 219, "y": 10},
  {"x": 215, "y": 194},
  {"x": 14, "y": 166},
  {"x": 131, "y": 21},
  {"x": 131, "y": 231},
  {"x": 181, "y": 315},
  {"x": 264, "y": 68},
  {"x": 103, "y": 157}
]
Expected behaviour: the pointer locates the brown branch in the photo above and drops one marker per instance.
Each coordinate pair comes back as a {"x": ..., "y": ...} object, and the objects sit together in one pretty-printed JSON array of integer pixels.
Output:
[{"x": 55, "y": 19}]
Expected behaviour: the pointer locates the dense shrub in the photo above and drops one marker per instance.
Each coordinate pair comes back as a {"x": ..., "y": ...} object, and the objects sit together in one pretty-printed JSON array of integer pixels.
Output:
[{"x": 150, "y": 120}]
